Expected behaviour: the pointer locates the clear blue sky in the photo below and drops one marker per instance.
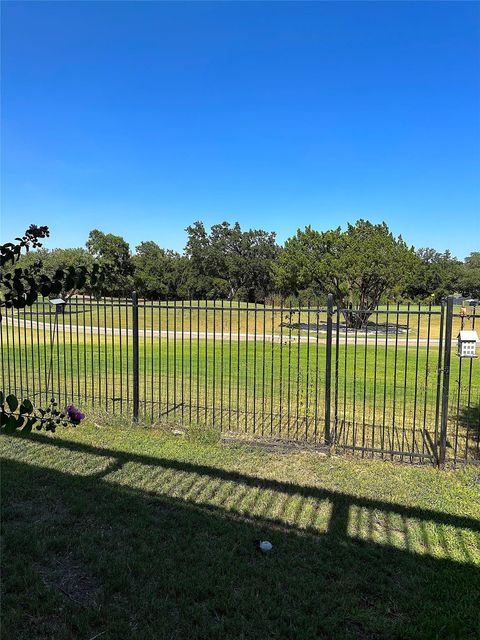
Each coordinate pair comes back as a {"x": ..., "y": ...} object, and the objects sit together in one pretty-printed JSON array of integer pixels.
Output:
[{"x": 139, "y": 118}]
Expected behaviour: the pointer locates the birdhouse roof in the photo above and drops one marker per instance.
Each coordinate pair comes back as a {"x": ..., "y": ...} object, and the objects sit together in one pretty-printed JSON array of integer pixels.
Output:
[{"x": 468, "y": 335}]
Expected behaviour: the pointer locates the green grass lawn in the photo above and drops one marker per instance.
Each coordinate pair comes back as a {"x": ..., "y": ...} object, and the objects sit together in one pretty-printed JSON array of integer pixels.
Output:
[
  {"x": 136, "y": 533},
  {"x": 218, "y": 315},
  {"x": 386, "y": 395}
]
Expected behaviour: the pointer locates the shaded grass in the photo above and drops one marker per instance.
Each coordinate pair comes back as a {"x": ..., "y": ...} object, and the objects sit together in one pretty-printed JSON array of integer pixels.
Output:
[{"x": 138, "y": 534}]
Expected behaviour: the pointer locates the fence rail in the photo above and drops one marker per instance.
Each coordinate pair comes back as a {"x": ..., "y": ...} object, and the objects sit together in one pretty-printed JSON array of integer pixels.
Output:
[{"x": 391, "y": 388}]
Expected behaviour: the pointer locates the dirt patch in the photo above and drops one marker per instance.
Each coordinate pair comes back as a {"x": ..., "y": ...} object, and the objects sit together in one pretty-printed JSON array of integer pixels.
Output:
[
  {"x": 70, "y": 576},
  {"x": 274, "y": 445}
]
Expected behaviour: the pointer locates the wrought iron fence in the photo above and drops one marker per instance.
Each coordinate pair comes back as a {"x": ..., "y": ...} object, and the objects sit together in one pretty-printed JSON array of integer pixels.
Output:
[{"x": 388, "y": 387}]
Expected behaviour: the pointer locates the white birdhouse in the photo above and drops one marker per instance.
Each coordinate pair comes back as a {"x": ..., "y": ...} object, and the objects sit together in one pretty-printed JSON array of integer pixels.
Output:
[{"x": 467, "y": 344}]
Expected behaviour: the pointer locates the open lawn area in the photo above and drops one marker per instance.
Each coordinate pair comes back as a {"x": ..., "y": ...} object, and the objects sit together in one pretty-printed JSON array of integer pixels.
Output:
[
  {"x": 224, "y": 316},
  {"x": 127, "y": 532},
  {"x": 388, "y": 394}
]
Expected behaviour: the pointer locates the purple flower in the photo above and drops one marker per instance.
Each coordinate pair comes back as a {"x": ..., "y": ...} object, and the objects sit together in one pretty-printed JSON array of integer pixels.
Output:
[{"x": 75, "y": 415}]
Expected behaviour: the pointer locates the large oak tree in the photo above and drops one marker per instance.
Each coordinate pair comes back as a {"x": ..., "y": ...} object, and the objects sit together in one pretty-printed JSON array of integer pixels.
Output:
[
  {"x": 359, "y": 266},
  {"x": 232, "y": 263}
]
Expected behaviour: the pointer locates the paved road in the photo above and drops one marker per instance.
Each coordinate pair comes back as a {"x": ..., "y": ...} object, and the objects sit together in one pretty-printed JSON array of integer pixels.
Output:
[{"x": 209, "y": 335}]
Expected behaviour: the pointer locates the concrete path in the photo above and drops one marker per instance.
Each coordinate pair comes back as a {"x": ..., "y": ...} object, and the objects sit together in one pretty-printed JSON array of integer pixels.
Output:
[{"x": 217, "y": 336}]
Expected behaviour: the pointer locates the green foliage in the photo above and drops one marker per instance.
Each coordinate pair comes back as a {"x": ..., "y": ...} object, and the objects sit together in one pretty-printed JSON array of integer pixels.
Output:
[
  {"x": 359, "y": 266},
  {"x": 469, "y": 280},
  {"x": 16, "y": 415},
  {"x": 159, "y": 273},
  {"x": 362, "y": 266},
  {"x": 21, "y": 286},
  {"x": 11, "y": 252},
  {"x": 112, "y": 253},
  {"x": 434, "y": 276},
  {"x": 20, "y": 289},
  {"x": 231, "y": 263}
]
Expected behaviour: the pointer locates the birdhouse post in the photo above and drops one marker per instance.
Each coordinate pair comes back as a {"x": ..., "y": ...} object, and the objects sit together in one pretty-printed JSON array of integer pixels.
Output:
[{"x": 59, "y": 305}]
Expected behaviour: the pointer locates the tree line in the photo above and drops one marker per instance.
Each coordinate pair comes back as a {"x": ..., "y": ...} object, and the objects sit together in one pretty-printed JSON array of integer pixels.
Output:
[{"x": 362, "y": 265}]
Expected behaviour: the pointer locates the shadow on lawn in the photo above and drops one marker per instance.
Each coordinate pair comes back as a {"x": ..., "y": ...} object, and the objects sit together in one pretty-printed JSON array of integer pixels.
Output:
[
  {"x": 468, "y": 419},
  {"x": 373, "y": 328},
  {"x": 171, "y": 553}
]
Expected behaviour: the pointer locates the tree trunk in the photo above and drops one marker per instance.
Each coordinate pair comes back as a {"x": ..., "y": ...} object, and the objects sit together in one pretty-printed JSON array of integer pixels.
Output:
[{"x": 356, "y": 318}]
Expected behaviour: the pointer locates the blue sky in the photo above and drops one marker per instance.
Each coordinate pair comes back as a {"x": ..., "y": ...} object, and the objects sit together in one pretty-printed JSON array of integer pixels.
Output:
[{"x": 139, "y": 118}]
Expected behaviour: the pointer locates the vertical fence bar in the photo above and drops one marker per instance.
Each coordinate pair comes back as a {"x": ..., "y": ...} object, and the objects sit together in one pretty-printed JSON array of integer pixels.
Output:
[
  {"x": 427, "y": 373},
  {"x": 183, "y": 362},
  {"x": 1, "y": 353},
  {"x": 190, "y": 311},
  {"x": 264, "y": 358},
  {"x": 160, "y": 355},
  {"x": 120, "y": 352},
  {"x": 337, "y": 362},
  {"x": 272, "y": 360},
  {"x": 297, "y": 396},
  {"x": 446, "y": 380},
  {"x": 214, "y": 364},
  {"x": 222, "y": 363},
  {"x": 135, "y": 369},
  {"x": 364, "y": 407},
  {"x": 246, "y": 368},
  {"x": 469, "y": 407},
  {"x": 174, "y": 358},
  {"x": 280, "y": 376},
  {"x": 439, "y": 381},
  {"x": 127, "y": 358},
  {"x": 328, "y": 367},
  {"x": 375, "y": 365},
  {"x": 152, "y": 360},
  {"x": 254, "y": 398},
  {"x": 205, "y": 398},
  {"x": 307, "y": 377},
  {"x": 144, "y": 356}
]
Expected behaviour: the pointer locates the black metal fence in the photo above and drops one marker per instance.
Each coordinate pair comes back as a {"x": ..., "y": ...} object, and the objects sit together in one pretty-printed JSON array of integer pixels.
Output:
[{"x": 389, "y": 388}]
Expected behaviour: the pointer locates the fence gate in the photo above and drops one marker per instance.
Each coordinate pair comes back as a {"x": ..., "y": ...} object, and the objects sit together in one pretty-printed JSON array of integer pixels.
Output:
[
  {"x": 398, "y": 390},
  {"x": 383, "y": 383}
]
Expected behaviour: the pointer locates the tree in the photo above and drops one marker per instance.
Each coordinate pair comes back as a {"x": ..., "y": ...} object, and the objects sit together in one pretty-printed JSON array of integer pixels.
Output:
[
  {"x": 159, "y": 273},
  {"x": 113, "y": 255},
  {"x": 231, "y": 263},
  {"x": 360, "y": 266},
  {"x": 469, "y": 280},
  {"x": 49, "y": 262},
  {"x": 435, "y": 275}
]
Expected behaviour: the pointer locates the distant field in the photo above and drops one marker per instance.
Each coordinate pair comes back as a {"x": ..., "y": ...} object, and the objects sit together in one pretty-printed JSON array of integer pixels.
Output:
[{"x": 221, "y": 315}]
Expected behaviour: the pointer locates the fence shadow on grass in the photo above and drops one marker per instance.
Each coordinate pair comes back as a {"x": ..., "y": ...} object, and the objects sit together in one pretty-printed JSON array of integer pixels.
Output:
[
  {"x": 468, "y": 420},
  {"x": 169, "y": 545}
]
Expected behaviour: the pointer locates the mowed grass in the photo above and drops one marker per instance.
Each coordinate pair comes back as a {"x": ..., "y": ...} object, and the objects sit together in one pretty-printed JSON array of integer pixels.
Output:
[
  {"x": 387, "y": 394},
  {"x": 124, "y": 532},
  {"x": 241, "y": 317}
]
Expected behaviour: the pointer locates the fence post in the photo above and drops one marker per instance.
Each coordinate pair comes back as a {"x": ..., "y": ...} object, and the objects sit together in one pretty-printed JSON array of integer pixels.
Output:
[
  {"x": 136, "y": 379},
  {"x": 446, "y": 381},
  {"x": 328, "y": 368}
]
